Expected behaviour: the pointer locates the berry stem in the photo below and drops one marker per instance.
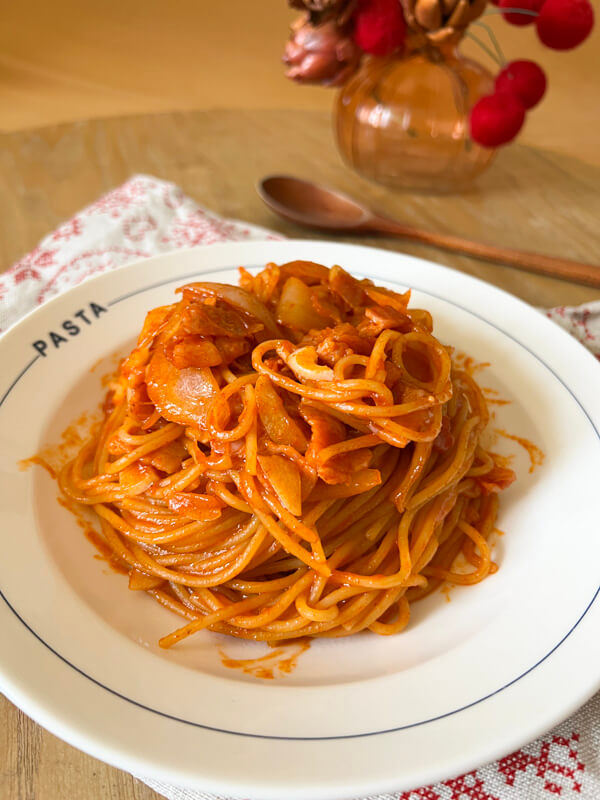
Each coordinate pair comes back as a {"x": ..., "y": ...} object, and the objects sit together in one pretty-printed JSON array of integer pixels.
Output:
[
  {"x": 494, "y": 41},
  {"x": 485, "y": 48},
  {"x": 490, "y": 12}
]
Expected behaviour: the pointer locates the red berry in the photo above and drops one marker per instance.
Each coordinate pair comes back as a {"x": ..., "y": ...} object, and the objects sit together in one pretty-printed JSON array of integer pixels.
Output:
[
  {"x": 563, "y": 24},
  {"x": 379, "y": 26},
  {"x": 496, "y": 119},
  {"x": 520, "y": 19},
  {"x": 525, "y": 80}
]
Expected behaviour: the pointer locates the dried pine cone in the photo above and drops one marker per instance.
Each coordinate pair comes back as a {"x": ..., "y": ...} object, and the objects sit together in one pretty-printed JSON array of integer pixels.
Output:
[
  {"x": 322, "y": 10},
  {"x": 322, "y": 54},
  {"x": 439, "y": 21},
  {"x": 315, "y": 5}
]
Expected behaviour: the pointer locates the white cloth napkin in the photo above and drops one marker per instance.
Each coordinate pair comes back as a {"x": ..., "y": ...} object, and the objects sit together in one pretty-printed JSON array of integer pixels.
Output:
[{"x": 146, "y": 216}]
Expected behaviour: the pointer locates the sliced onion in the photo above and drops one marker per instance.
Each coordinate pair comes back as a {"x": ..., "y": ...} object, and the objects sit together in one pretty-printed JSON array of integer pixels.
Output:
[
  {"x": 278, "y": 424},
  {"x": 201, "y": 507},
  {"x": 360, "y": 482},
  {"x": 284, "y": 477},
  {"x": 239, "y": 298},
  {"x": 181, "y": 395},
  {"x": 194, "y": 351},
  {"x": 295, "y": 308}
]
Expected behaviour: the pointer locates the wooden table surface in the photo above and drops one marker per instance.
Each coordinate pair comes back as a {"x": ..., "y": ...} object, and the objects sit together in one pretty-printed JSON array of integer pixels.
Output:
[{"x": 529, "y": 199}]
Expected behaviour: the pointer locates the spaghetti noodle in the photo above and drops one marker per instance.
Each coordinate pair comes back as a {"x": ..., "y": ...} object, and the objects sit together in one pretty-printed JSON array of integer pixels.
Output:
[{"x": 294, "y": 457}]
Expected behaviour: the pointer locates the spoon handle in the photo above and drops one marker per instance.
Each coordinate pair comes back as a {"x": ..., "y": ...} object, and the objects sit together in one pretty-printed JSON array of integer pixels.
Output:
[{"x": 534, "y": 262}]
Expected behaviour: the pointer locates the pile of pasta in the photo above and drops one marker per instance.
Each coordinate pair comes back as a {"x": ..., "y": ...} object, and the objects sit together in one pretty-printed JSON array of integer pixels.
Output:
[{"x": 297, "y": 456}]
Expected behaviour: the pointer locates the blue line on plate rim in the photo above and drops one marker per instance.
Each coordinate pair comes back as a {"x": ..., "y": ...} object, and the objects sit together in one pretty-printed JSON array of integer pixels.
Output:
[
  {"x": 302, "y": 738},
  {"x": 17, "y": 379},
  {"x": 315, "y": 738}
]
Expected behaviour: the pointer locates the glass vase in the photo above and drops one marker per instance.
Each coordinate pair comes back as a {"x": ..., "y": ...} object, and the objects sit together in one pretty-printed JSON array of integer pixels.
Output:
[{"x": 403, "y": 120}]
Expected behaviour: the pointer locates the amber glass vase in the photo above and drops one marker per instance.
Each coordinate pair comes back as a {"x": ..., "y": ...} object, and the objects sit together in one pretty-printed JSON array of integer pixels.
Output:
[{"x": 403, "y": 121}]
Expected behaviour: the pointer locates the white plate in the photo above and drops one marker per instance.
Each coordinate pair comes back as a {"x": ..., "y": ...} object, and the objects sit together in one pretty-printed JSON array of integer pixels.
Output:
[{"x": 467, "y": 682}]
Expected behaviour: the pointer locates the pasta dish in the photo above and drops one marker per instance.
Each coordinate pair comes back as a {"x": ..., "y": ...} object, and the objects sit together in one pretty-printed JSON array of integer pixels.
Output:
[{"x": 296, "y": 456}]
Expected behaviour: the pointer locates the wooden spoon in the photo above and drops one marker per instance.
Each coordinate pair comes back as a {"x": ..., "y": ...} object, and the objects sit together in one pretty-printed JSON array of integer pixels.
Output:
[{"x": 316, "y": 206}]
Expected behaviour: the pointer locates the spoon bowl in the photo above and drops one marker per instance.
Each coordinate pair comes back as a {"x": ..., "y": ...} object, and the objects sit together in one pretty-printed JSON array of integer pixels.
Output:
[{"x": 307, "y": 203}]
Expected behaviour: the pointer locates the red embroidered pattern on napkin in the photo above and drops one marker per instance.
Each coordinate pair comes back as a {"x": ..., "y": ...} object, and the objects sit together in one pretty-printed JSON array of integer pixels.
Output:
[{"x": 142, "y": 218}]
